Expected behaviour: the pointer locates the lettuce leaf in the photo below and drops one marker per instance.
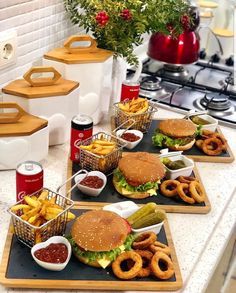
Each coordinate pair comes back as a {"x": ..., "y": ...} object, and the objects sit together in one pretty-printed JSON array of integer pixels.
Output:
[
  {"x": 141, "y": 188},
  {"x": 95, "y": 255},
  {"x": 159, "y": 139}
]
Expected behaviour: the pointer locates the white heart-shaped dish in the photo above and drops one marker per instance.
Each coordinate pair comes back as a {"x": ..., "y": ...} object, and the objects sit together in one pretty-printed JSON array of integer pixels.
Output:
[
  {"x": 48, "y": 265},
  {"x": 89, "y": 190},
  {"x": 130, "y": 144}
]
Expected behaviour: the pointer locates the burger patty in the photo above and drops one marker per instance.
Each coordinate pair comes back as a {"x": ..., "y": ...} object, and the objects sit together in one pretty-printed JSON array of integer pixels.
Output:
[{"x": 141, "y": 167}]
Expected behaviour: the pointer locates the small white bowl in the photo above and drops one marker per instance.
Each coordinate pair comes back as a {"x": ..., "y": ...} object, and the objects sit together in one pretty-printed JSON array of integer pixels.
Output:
[
  {"x": 154, "y": 228},
  {"x": 186, "y": 171},
  {"x": 123, "y": 208},
  {"x": 88, "y": 190},
  {"x": 213, "y": 122},
  {"x": 130, "y": 145},
  {"x": 48, "y": 265}
]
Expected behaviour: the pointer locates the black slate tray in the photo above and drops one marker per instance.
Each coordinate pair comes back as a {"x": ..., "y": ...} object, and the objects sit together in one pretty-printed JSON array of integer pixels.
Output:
[
  {"x": 110, "y": 195},
  {"x": 21, "y": 266},
  {"x": 146, "y": 145}
]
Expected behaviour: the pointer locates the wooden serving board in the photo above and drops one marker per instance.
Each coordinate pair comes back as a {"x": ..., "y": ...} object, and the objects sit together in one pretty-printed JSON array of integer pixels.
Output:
[
  {"x": 194, "y": 153},
  {"x": 18, "y": 270},
  {"x": 110, "y": 195}
]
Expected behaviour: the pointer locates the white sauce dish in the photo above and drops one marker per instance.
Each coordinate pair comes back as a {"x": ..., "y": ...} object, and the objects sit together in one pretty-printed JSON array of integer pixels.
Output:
[
  {"x": 48, "y": 265},
  {"x": 89, "y": 190},
  {"x": 130, "y": 144}
]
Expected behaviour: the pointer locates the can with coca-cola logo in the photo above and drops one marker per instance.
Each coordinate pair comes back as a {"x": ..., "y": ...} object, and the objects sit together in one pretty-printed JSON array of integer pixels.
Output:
[
  {"x": 29, "y": 178},
  {"x": 81, "y": 129},
  {"x": 129, "y": 90}
]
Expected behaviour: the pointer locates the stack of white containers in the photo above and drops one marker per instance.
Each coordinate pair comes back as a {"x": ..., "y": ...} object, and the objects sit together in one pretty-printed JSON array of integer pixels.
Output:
[
  {"x": 89, "y": 65},
  {"x": 54, "y": 99},
  {"x": 22, "y": 136}
]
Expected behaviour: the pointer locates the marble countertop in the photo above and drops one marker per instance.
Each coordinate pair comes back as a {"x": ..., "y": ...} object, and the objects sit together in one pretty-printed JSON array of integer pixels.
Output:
[{"x": 199, "y": 239}]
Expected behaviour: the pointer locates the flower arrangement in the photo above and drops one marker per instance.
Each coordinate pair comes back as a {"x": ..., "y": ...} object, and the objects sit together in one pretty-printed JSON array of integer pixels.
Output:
[{"x": 118, "y": 25}]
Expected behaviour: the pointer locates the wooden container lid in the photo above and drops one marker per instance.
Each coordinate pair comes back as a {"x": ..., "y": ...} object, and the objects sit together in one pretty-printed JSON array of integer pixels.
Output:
[
  {"x": 223, "y": 32},
  {"x": 208, "y": 4},
  {"x": 32, "y": 88},
  {"x": 18, "y": 123},
  {"x": 80, "y": 54}
]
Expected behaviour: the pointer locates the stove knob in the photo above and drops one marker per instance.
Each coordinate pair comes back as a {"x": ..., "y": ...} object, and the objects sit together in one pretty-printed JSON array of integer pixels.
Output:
[
  {"x": 202, "y": 54},
  {"x": 215, "y": 58},
  {"x": 230, "y": 61}
]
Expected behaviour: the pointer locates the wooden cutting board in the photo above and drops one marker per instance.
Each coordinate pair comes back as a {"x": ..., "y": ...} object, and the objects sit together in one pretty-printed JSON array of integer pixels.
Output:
[
  {"x": 194, "y": 153},
  {"x": 110, "y": 195}
]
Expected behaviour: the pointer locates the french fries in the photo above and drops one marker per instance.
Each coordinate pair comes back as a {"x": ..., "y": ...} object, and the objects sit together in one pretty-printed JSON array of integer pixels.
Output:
[
  {"x": 134, "y": 106},
  {"x": 100, "y": 147},
  {"x": 38, "y": 210}
]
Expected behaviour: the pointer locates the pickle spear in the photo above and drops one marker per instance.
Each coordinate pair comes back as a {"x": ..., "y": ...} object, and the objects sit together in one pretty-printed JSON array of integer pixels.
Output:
[
  {"x": 142, "y": 212},
  {"x": 154, "y": 218}
]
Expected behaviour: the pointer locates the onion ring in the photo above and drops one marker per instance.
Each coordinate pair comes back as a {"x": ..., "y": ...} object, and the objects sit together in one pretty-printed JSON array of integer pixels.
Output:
[
  {"x": 146, "y": 256},
  {"x": 158, "y": 246},
  {"x": 169, "y": 192},
  {"x": 212, "y": 142},
  {"x": 186, "y": 179},
  {"x": 222, "y": 139},
  {"x": 197, "y": 192},
  {"x": 133, "y": 271},
  {"x": 199, "y": 143},
  {"x": 182, "y": 194},
  {"x": 155, "y": 267},
  {"x": 144, "y": 240}
]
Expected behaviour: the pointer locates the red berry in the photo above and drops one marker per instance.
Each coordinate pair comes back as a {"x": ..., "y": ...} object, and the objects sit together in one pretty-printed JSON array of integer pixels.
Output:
[
  {"x": 126, "y": 14},
  {"x": 102, "y": 18},
  {"x": 185, "y": 22}
]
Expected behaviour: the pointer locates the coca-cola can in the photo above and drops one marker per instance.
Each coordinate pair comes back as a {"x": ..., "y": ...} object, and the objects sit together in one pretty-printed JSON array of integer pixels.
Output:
[
  {"x": 81, "y": 129},
  {"x": 129, "y": 90},
  {"x": 29, "y": 178}
]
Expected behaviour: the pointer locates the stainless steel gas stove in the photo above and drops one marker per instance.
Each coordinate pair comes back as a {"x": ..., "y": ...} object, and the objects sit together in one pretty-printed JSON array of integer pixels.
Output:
[{"x": 200, "y": 86}]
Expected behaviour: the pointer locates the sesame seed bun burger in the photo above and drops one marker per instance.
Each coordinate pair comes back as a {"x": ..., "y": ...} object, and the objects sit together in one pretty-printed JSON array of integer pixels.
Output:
[
  {"x": 175, "y": 134},
  {"x": 97, "y": 237},
  {"x": 138, "y": 175}
]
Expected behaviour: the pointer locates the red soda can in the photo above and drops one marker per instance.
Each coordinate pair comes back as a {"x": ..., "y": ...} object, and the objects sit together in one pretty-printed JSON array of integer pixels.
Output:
[
  {"x": 81, "y": 129},
  {"x": 129, "y": 90},
  {"x": 29, "y": 178}
]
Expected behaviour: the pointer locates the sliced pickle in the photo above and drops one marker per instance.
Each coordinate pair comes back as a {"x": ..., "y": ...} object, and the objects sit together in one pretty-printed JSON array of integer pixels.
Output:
[
  {"x": 199, "y": 121},
  {"x": 143, "y": 211}
]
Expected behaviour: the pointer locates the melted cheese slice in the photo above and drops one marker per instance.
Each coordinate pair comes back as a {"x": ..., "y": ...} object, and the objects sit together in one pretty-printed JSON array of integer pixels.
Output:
[
  {"x": 150, "y": 191},
  {"x": 104, "y": 262}
]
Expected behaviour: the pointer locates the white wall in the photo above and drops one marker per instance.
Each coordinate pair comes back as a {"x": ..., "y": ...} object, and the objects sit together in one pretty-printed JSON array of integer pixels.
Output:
[{"x": 40, "y": 24}]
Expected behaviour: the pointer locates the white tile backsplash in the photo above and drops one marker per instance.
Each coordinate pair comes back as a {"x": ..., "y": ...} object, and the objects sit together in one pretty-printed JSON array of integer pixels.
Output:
[{"x": 40, "y": 25}]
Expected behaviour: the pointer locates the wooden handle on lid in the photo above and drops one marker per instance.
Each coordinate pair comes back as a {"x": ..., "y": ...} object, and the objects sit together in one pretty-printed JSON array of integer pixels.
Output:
[
  {"x": 10, "y": 117},
  {"x": 41, "y": 81},
  {"x": 80, "y": 49}
]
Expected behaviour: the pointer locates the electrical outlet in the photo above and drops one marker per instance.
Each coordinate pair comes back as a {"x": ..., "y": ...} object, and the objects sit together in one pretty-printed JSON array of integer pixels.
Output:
[{"x": 8, "y": 48}]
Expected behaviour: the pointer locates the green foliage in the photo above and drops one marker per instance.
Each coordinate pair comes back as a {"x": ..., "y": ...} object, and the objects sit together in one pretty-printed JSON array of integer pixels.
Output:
[{"x": 119, "y": 34}]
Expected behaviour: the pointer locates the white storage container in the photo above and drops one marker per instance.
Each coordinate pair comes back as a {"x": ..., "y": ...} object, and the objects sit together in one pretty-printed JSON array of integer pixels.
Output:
[
  {"x": 23, "y": 137},
  {"x": 54, "y": 99},
  {"x": 92, "y": 67}
]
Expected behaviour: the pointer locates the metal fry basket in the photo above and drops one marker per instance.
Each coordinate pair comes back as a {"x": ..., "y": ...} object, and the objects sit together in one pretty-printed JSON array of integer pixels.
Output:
[
  {"x": 103, "y": 163},
  {"x": 30, "y": 234},
  {"x": 142, "y": 121}
]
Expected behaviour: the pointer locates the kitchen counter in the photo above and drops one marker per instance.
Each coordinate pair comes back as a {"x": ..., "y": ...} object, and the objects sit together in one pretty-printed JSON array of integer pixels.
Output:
[{"x": 199, "y": 240}]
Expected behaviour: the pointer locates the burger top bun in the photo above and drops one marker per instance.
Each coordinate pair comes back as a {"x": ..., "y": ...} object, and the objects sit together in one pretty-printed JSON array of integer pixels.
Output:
[
  {"x": 141, "y": 167},
  {"x": 99, "y": 230},
  {"x": 177, "y": 127}
]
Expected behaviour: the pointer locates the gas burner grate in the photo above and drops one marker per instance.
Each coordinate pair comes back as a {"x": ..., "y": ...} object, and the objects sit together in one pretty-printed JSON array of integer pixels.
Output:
[
  {"x": 216, "y": 102},
  {"x": 173, "y": 72}
]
